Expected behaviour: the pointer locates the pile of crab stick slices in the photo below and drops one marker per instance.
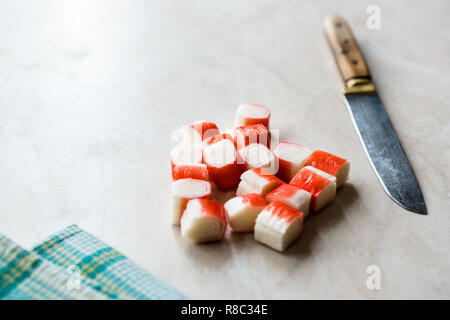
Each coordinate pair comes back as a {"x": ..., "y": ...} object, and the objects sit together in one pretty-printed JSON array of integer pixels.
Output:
[{"x": 276, "y": 189}]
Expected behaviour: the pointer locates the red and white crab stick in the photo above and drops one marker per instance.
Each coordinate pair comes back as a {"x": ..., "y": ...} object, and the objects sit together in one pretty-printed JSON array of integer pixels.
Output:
[
  {"x": 257, "y": 155},
  {"x": 291, "y": 158},
  {"x": 244, "y": 187},
  {"x": 255, "y": 133},
  {"x": 221, "y": 158},
  {"x": 242, "y": 211},
  {"x": 321, "y": 186},
  {"x": 199, "y": 131},
  {"x": 278, "y": 225},
  {"x": 258, "y": 180},
  {"x": 292, "y": 196},
  {"x": 247, "y": 114},
  {"x": 184, "y": 190},
  {"x": 329, "y": 163},
  {"x": 203, "y": 221},
  {"x": 186, "y": 162}
]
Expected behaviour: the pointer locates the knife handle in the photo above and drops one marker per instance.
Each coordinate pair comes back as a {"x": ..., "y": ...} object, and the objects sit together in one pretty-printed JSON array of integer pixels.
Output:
[{"x": 348, "y": 56}]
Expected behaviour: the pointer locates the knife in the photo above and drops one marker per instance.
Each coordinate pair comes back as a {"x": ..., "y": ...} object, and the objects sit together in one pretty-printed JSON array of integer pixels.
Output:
[{"x": 371, "y": 121}]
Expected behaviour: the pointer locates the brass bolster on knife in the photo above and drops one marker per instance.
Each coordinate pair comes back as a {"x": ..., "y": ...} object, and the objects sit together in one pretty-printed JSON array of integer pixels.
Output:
[
  {"x": 348, "y": 56},
  {"x": 359, "y": 85}
]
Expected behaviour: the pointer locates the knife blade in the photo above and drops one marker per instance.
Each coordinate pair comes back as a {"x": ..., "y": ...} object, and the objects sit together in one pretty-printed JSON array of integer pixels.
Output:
[{"x": 377, "y": 134}]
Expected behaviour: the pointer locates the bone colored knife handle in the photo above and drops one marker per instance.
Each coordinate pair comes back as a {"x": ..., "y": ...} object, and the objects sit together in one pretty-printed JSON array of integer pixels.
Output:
[{"x": 348, "y": 56}]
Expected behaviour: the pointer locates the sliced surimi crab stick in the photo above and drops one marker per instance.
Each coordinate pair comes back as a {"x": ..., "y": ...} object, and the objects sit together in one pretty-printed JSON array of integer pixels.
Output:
[
  {"x": 203, "y": 221},
  {"x": 198, "y": 131},
  {"x": 321, "y": 185},
  {"x": 242, "y": 211},
  {"x": 256, "y": 155},
  {"x": 278, "y": 225},
  {"x": 247, "y": 114},
  {"x": 292, "y": 196},
  {"x": 255, "y": 133},
  {"x": 329, "y": 163},
  {"x": 186, "y": 162},
  {"x": 260, "y": 181},
  {"x": 184, "y": 190},
  {"x": 190, "y": 170},
  {"x": 291, "y": 158},
  {"x": 221, "y": 158}
]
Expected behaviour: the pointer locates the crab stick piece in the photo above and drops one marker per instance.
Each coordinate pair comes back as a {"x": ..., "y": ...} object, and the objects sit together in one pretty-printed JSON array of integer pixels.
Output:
[
  {"x": 257, "y": 155},
  {"x": 292, "y": 196},
  {"x": 247, "y": 114},
  {"x": 203, "y": 221},
  {"x": 321, "y": 186},
  {"x": 244, "y": 187},
  {"x": 255, "y": 133},
  {"x": 329, "y": 163},
  {"x": 184, "y": 190},
  {"x": 260, "y": 181},
  {"x": 216, "y": 138},
  {"x": 190, "y": 170},
  {"x": 291, "y": 158},
  {"x": 199, "y": 131},
  {"x": 278, "y": 225},
  {"x": 221, "y": 159},
  {"x": 242, "y": 211},
  {"x": 186, "y": 162}
]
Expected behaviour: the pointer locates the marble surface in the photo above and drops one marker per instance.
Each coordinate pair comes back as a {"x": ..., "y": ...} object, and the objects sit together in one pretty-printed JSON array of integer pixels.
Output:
[{"x": 91, "y": 90}]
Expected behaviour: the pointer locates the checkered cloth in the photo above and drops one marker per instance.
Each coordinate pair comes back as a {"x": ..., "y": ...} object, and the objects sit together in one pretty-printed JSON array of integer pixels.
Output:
[{"x": 73, "y": 264}]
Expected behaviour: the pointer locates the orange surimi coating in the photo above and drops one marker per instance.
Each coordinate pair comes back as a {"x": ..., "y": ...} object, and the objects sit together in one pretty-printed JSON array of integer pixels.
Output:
[
  {"x": 283, "y": 211},
  {"x": 253, "y": 199},
  {"x": 226, "y": 177},
  {"x": 205, "y": 129},
  {"x": 212, "y": 208},
  {"x": 325, "y": 161},
  {"x": 194, "y": 171},
  {"x": 283, "y": 191},
  {"x": 186, "y": 162},
  {"x": 216, "y": 138},
  {"x": 256, "y": 133},
  {"x": 292, "y": 196},
  {"x": 265, "y": 174},
  {"x": 309, "y": 181}
]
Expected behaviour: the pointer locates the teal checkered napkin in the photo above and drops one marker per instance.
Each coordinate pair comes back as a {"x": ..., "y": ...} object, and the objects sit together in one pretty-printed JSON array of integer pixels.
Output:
[{"x": 73, "y": 264}]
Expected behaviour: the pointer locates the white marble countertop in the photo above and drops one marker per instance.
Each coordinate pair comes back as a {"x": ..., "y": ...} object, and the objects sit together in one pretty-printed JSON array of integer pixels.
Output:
[{"x": 91, "y": 90}]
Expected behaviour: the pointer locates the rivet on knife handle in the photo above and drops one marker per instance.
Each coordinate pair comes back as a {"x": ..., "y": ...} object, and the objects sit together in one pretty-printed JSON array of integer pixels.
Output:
[{"x": 348, "y": 56}]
